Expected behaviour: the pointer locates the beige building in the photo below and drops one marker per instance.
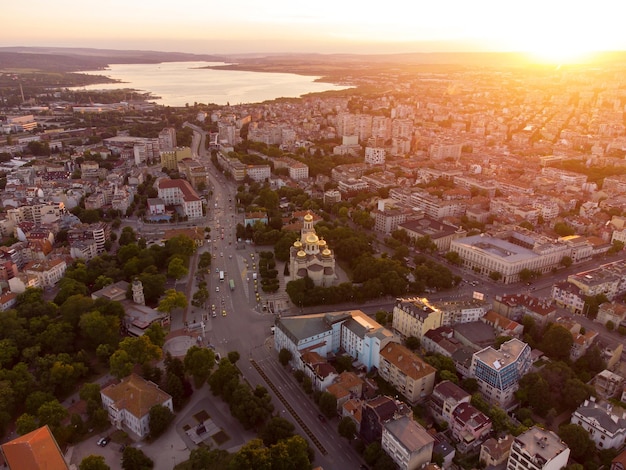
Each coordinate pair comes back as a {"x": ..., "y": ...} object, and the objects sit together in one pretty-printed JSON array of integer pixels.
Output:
[
  {"x": 538, "y": 449},
  {"x": 414, "y": 317},
  {"x": 409, "y": 374},
  {"x": 170, "y": 158}
]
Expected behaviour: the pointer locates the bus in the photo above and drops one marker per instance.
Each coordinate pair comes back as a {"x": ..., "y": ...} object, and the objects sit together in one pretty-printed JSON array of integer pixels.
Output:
[
  {"x": 221, "y": 275},
  {"x": 231, "y": 283}
]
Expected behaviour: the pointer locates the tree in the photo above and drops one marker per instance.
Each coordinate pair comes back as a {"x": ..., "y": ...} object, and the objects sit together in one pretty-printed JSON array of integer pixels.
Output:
[
  {"x": 557, "y": 342},
  {"x": 160, "y": 419},
  {"x": 412, "y": 343},
  {"x": 233, "y": 356},
  {"x": 51, "y": 413},
  {"x": 26, "y": 423},
  {"x": 93, "y": 462},
  {"x": 566, "y": 261},
  {"x": 284, "y": 356},
  {"x": 495, "y": 275},
  {"x": 252, "y": 455},
  {"x": 577, "y": 439},
  {"x": 276, "y": 429},
  {"x": 135, "y": 459},
  {"x": 290, "y": 454},
  {"x": 140, "y": 349},
  {"x": 176, "y": 269},
  {"x": 347, "y": 428},
  {"x": 328, "y": 404},
  {"x": 199, "y": 363},
  {"x": 173, "y": 299},
  {"x": 120, "y": 363}
]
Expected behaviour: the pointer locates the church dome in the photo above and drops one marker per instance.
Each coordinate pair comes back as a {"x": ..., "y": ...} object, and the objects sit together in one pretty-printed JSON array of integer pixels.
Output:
[
  {"x": 311, "y": 238},
  {"x": 322, "y": 243},
  {"x": 297, "y": 244},
  {"x": 326, "y": 252},
  {"x": 301, "y": 254},
  {"x": 308, "y": 218}
]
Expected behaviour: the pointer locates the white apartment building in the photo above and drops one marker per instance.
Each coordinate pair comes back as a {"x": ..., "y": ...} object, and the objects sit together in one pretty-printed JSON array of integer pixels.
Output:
[
  {"x": 325, "y": 333},
  {"x": 298, "y": 171},
  {"x": 538, "y": 449},
  {"x": 461, "y": 311},
  {"x": 374, "y": 155},
  {"x": 437, "y": 208},
  {"x": 258, "y": 172},
  {"x": 179, "y": 192}
]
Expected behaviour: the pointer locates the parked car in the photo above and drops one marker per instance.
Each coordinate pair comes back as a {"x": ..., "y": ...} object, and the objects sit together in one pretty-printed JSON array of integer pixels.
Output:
[{"x": 104, "y": 441}]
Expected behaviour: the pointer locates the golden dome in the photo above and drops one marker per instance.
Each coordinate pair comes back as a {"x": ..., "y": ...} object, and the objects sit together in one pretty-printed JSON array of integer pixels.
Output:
[
  {"x": 308, "y": 218},
  {"x": 297, "y": 244},
  {"x": 322, "y": 242},
  {"x": 326, "y": 252},
  {"x": 311, "y": 238},
  {"x": 301, "y": 254}
]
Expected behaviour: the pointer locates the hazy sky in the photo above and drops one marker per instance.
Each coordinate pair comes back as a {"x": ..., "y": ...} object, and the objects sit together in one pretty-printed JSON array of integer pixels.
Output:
[{"x": 556, "y": 27}]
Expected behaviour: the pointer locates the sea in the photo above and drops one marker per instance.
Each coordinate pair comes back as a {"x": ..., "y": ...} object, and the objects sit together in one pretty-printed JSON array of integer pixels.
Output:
[{"x": 186, "y": 83}]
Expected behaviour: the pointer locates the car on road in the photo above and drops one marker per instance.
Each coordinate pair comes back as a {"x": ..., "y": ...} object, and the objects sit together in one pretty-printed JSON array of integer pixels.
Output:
[
  {"x": 104, "y": 441},
  {"x": 214, "y": 314},
  {"x": 223, "y": 313},
  {"x": 217, "y": 288},
  {"x": 322, "y": 418}
]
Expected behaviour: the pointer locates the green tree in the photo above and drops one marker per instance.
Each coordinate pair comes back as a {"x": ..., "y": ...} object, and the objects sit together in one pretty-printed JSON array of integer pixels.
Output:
[
  {"x": 176, "y": 269},
  {"x": 173, "y": 299},
  {"x": 199, "y": 363},
  {"x": 252, "y": 455},
  {"x": 120, "y": 363},
  {"x": 156, "y": 334},
  {"x": 140, "y": 349},
  {"x": 160, "y": 419},
  {"x": 347, "y": 428},
  {"x": 495, "y": 275},
  {"x": 26, "y": 423},
  {"x": 412, "y": 343},
  {"x": 290, "y": 454},
  {"x": 276, "y": 429},
  {"x": 328, "y": 404},
  {"x": 135, "y": 459},
  {"x": 93, "y": 462},
  {"x": 51, "y": 413},
  {"x": 557, "y": 342},
  {"x": 284, "y": 356},
  {"x": 577, "y": 439}
]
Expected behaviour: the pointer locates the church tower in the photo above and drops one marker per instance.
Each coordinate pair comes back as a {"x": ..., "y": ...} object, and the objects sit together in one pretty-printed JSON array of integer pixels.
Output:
[{"x": 138, "y": 296}]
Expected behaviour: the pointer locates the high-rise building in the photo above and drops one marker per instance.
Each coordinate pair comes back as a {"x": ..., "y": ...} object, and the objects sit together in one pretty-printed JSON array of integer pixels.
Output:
[{"x": 498, "y": 371}]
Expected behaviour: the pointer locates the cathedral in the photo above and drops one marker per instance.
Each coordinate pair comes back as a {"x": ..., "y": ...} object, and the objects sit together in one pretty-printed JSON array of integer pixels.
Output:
[{"x": 310, "y": 256}]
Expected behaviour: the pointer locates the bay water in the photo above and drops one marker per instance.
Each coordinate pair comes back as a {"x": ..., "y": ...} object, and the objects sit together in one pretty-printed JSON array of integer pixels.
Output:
[{"x": 182, "y": 83}]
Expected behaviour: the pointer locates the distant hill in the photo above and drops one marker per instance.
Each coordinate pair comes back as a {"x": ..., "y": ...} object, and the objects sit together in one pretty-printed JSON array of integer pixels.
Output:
[
  {"x": 65, "y": 59},
  {"x": 61, "y": 59}
]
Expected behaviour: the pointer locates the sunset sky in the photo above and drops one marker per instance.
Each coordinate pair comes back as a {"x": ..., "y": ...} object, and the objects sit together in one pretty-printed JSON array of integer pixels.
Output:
[{"x": 556, "y": 28}]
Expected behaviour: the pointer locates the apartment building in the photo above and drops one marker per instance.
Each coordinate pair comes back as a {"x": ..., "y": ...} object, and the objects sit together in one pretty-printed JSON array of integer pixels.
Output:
[
  {"x": 445, "y": 398},
  {"x": 461, "y": 311},
  {"x": 498, "y": 371},
  {"x": 298, "y": 171},
  {"x": 49, "y": 272},
  {"x": 180, "y": 193},
  {"x": 608, "y": 279},
  {"x": 172, "y": 156},
  {"x": 409, "y": 374},
  {"x": 375, "y": 155},
  {"x": 327, "y": 333},
  {"x": 407, "y": 443},
  {"x": 606, "y": 428},
  {"x": 415, "y": 317},
  {"x": 99, "y": 232},
  {"x": 538, "y": 449}
]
